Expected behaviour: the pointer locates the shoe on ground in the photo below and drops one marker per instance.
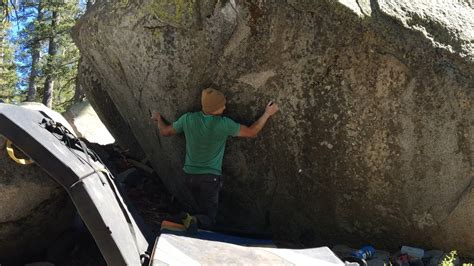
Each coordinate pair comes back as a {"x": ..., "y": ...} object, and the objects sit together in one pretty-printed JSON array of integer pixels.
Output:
[
  {"x": 190, "y": 223},
  {"x": 193, "y": 227}
]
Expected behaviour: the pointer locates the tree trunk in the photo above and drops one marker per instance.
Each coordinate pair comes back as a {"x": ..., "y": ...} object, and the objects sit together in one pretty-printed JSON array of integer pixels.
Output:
[
  {"x": 52, "y": 51},
  {"x": 35, "y": 55}
]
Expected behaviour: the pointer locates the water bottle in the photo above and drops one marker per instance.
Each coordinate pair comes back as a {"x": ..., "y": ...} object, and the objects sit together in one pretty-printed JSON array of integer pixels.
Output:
[{"x": 365, "y": 252}]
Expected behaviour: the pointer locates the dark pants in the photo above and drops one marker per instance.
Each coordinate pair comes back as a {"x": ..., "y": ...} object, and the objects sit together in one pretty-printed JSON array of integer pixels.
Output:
[{"x": 205, "y": 191}]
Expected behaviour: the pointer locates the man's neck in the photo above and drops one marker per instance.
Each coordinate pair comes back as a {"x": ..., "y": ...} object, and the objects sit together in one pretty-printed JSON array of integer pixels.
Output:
[{"x": 214, "y": 114}]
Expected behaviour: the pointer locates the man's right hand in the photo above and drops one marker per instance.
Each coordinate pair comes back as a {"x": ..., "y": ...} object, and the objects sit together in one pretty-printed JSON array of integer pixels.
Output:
[
  {"x": 271, "y": 108},
  {"x": 254, "y": 129},
  {"x": 165, "y": 129}
]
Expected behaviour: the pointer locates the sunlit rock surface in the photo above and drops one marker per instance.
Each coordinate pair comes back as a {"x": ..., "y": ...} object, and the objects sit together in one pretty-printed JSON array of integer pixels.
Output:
[{"x": 86, "y": 124}]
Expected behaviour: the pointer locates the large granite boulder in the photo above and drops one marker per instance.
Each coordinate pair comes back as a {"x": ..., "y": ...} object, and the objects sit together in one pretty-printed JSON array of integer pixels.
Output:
[{"x": 374, "y": 139}]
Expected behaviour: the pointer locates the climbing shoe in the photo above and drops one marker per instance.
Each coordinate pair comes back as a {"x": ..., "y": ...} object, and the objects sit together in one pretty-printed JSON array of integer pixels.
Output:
[{"x": 190, "y": 223}]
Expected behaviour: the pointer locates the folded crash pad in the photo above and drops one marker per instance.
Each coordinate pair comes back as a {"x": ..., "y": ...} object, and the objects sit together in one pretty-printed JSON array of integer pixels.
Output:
[{"x": 91, "y": 187}]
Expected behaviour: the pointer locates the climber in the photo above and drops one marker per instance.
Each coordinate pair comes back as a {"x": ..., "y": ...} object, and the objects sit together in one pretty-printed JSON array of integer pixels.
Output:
[{"x": 206, "y": 133}]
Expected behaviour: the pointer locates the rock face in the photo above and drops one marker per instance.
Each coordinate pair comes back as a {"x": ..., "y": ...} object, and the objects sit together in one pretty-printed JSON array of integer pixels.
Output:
[
  {"x": 374, "y": 139},
  {"x": 34, "y": 210},
  {"x": 86, "y": 124}
]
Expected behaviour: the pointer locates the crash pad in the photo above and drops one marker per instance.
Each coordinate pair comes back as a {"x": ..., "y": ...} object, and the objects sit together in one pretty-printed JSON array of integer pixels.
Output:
[
  {"x": 117, "y": 230},
  {"x": 173, "y": 249}
]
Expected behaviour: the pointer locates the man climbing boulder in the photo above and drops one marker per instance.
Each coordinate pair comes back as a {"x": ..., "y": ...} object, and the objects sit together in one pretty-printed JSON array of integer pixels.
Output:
[{"x": 206, "y": 133}]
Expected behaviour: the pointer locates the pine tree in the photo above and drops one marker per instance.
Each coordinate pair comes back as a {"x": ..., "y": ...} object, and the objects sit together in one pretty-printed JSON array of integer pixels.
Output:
[
  {"x": 8, "y": 77},
  {"x": 30, "y": 39},
  {"x": 47, "y": 59},
  {"x": 60, "y": 63},
  {"x": 52, "y": 51},
  {"x": 35, "y": 51}
]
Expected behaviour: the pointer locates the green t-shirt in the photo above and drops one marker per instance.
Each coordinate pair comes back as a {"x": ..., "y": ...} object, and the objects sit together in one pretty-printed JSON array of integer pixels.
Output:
[{"x": 206, "y": 136}]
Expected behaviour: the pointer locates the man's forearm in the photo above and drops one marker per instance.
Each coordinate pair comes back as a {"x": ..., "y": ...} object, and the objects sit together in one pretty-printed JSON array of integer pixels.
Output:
[{"x": 257, "y": 126}]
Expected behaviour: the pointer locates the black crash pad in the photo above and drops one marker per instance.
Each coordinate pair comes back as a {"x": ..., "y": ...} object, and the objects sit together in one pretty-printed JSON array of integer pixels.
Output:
[{"x": 95, "y": 193}]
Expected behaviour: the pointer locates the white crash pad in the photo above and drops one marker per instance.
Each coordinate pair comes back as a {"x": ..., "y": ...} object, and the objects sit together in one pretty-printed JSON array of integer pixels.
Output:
[{"x": 182, "y": 250}]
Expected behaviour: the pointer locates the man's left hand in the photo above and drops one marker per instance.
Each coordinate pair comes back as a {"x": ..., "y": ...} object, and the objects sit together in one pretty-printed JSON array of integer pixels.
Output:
[{"x": 155, "y": 116}]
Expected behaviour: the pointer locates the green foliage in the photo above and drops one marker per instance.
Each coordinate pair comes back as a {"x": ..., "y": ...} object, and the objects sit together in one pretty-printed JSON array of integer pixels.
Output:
[
  {"x": 64, "y": 66},
  {"x": 449, "y": 259},
  {"x": 5, "y": 11},
  {"x": 174, "y": 12},
  {"x": 8, "y": 76},
  {"x": 35, "y": 37}
]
